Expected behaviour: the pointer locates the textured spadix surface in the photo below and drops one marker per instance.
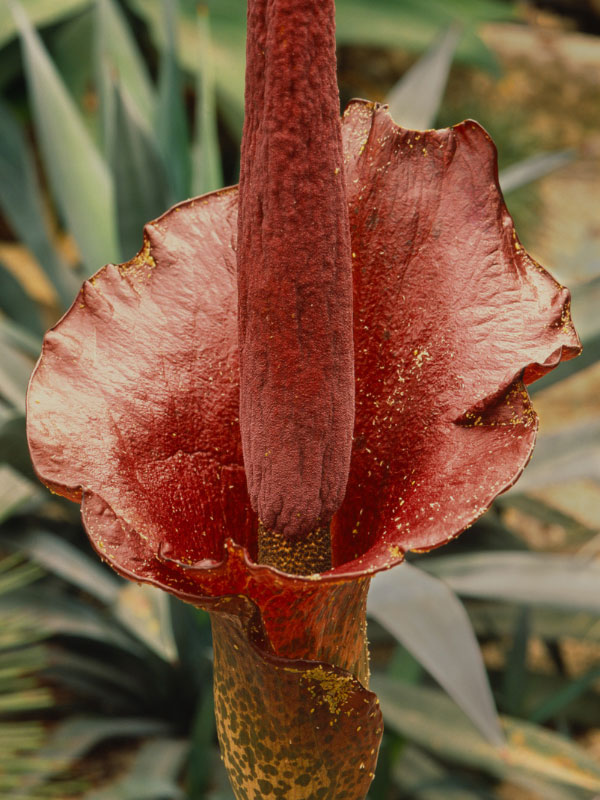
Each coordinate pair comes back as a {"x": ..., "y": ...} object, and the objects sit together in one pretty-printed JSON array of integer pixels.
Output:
[
  {"x": 294, "y": 272},
  {"x": 133, "y": 408}
]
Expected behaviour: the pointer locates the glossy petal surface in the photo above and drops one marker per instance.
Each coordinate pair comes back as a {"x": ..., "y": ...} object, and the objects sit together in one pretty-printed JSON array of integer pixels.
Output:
[
  {"x": 451, "y": 316},
  {"x": 138, "y": 391}
]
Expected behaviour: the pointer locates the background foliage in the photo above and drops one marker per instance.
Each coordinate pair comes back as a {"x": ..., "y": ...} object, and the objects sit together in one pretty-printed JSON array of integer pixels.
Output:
[{"x": 109, "y": 113}]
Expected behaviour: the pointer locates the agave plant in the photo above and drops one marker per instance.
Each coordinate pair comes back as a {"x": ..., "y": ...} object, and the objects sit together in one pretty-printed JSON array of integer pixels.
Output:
[{"x": 408, "y": 594}]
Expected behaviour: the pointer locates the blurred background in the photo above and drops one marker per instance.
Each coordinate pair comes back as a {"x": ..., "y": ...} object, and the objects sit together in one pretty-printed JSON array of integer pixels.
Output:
[{"x": 110, "y": 112}]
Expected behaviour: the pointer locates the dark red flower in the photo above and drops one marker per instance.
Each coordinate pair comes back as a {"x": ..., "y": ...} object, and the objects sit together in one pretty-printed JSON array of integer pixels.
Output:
[{"x": 133, "y": 410}]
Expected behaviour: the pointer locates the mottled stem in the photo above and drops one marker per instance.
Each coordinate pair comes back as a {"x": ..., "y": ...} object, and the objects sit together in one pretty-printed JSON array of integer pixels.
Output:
[{"x": 294, "y": 718}]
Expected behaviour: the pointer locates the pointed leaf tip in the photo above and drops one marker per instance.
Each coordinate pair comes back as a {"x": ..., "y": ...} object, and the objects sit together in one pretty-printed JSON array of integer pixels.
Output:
[
  {"x": 415, "y": 100},
  {"x": 431, "y": 622},
  {"x": 79, "y": 178}
]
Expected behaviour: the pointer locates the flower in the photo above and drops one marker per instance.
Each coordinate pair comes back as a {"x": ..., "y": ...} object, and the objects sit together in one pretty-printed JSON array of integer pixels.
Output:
[{"x": 133, "y": 410}]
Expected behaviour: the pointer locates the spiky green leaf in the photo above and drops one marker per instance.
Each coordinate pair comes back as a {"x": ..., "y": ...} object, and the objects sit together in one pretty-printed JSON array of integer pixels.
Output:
[
  {"x": 430, "y": 621},
  {"x": 79, "y": 178}
]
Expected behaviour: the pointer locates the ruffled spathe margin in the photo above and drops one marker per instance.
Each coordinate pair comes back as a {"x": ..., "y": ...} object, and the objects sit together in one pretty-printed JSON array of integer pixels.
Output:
[{"x": 133, "y": 410}]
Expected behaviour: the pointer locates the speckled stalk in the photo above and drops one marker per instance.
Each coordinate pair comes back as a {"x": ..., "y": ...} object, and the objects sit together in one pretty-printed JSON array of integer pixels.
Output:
[{"x": 294, "y": 717}]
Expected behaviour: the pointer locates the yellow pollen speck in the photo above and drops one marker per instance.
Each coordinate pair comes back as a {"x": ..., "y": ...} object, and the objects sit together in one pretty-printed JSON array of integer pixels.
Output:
[{"x": 336, "y": 688}]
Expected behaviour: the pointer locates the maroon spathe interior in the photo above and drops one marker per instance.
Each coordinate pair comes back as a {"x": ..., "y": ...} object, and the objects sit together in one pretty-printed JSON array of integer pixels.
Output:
[{"x": 135, "y": 398}]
